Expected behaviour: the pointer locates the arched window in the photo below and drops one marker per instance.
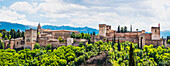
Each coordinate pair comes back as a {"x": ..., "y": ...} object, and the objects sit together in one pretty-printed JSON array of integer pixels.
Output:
[{"x": 155, "y": 31}]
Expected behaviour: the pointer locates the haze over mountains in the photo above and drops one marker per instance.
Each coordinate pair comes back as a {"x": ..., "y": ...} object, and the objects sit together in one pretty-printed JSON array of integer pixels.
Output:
[{"x": 8, "y": 26}]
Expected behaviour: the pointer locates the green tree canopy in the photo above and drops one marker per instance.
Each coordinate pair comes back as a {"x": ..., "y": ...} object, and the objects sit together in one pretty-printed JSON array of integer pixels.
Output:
[
  {"x": 1, "y": 45},
  {"x": 79, "y": 36},
  {"x": 73, "y": 35},
  {"x": 36, "y": 46}
]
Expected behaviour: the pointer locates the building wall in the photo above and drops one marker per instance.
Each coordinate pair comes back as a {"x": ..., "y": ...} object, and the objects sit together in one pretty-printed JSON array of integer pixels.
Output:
[
  {"x": 126, "y": 35},
  {"x": 43, "y": 41},
  {"x": 63, "y": 33},
  {"x": 134, "y": 36},
  {"x": 6, "y": 42},
  {"x": 148, "y": 36},
  {"x": 108, "y": 28},
  {"x": 69, "y": 41},
  {"x": 154, "y": 42},
  {"x": 102, "y": 29}
]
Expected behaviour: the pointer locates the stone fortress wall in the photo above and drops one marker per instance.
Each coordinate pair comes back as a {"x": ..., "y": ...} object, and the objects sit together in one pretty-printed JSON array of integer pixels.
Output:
[{"x": 139, "y": 37}]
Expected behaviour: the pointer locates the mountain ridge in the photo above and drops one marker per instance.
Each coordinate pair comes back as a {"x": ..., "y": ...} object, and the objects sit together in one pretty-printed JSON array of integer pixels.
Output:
[{"x": 8, "y": 26}]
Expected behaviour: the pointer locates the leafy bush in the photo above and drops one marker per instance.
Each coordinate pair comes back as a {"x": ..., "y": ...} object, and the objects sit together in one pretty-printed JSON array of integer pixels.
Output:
[
  {"x": 148, "y": 56},
  {"x": 36, "y": 46}
]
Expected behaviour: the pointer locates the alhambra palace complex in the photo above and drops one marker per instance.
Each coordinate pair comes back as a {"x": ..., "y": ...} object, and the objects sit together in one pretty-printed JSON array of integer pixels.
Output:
[
  {"x": 139, "y": 37},
  {"x": 47, "y": 36}
]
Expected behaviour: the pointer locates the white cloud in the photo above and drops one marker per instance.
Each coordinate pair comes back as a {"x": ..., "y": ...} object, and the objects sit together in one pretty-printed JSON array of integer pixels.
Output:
[
  {"x": 58, "y": 6},
  {"x": 53, "y": 20},
  {"x": 6, "y": 14},
  {"x": 23, "y": 7},
  {"x": 53, "y": 15},
  {"x": 13, "y": 17},
  {"x": 142, "y": 14}
]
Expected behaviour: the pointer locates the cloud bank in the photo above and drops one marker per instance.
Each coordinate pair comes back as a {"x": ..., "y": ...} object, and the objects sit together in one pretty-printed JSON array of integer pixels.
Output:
[{"x": 142, "y": 14}]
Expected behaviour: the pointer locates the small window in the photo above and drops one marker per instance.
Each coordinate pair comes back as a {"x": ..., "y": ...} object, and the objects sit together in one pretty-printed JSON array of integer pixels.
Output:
[{"x": 155, "y": 31}]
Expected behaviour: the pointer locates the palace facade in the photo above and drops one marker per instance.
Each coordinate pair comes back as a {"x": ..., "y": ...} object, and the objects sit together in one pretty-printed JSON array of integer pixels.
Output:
[
  {"x": 46, "y": 36},
  {"x": 140, "y": 37}
]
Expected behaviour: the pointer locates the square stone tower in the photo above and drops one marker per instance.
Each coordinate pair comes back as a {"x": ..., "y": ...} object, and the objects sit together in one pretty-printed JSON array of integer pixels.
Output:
[
  {"x": 155, "y": 31},
  {"x": 30, "y": 38},
  {"x": 102, "y": 29}
]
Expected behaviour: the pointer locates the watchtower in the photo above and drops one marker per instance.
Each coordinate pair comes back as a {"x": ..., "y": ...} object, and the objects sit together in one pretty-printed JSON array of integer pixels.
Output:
[
  {"x": 102, "y": 29},
  {"x": 155, "y": 31}
]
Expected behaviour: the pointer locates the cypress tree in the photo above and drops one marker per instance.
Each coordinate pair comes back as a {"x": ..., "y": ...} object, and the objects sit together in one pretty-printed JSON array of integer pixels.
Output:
[
  {"x": 12, "y": 33},
  {"x": 125, "y": 29},
  {"x": 18, "y": 33},
  {"x": 131, "y": 56},
  {"x": 93, "y": 38},
  {"x": 114, "y": 38},
  {"x": 1, "y": 45},
  {"x": 113, "y": 41},
  {"x": 119, "y": 45},
  {"x": 22, "y": 34},
  {"x": 122, "y": 30},
  {"x": 118, "y": 29}
]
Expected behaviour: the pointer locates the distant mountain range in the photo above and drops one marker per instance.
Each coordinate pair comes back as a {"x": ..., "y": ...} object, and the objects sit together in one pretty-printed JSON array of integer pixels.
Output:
[
  {"x": 165, "y": 33},
  {"x": 80, "y": 29},
  {"x": 8, "y": 26}
]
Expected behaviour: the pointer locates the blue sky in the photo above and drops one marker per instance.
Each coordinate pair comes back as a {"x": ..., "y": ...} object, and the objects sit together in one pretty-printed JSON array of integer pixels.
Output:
[{"x": 142, "y": 14}]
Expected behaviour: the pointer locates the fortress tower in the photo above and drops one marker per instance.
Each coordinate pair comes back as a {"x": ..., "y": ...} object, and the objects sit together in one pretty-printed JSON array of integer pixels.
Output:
[
  {"x": 30, "y": 38},
  {"x": 102, "y": 29},
  {"x": 155, "y": 31}
]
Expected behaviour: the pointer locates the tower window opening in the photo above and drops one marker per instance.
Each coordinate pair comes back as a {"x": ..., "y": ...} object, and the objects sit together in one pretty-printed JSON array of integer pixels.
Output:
[{"x": 155, "y": 31}]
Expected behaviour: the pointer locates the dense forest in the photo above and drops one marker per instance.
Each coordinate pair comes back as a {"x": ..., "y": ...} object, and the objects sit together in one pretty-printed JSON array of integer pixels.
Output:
[{"x": 125, "y": 53}]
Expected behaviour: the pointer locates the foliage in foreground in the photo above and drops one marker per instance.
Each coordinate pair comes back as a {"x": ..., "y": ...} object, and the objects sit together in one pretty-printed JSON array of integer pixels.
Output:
[
  {"x": 62, "y": 56},
  {"x": 148, "y": 56}
]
